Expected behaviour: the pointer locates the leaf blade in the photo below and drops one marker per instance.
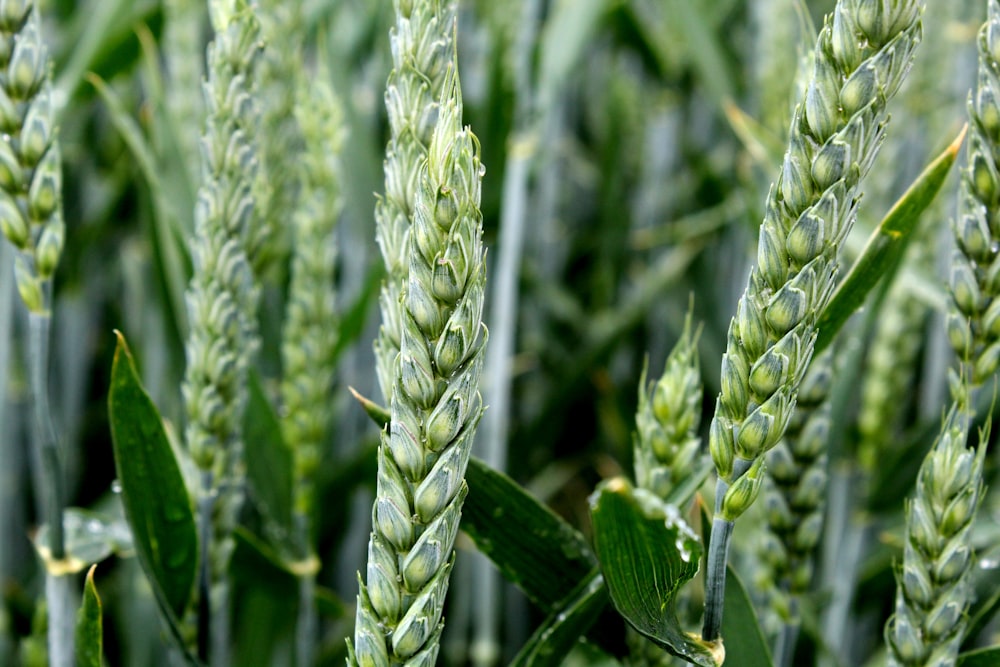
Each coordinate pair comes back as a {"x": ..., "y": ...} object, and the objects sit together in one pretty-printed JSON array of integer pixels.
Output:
[
  {"x": 984, "y": 657},
  {"x": 156, "y": 501},
  {"x": 647, "y": 554},
  {"x": 740, "y": 628},
  {"x": 89, "y": 626},
  {"x": 268, "y": 458},
  {"x": 533, "y": 548},
  {"x": 552, "y": 641}
]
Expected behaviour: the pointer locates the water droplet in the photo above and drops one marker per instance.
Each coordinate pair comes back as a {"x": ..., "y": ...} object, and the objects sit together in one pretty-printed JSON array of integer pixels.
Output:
[
  {"x": 989, "y": 563},
  {"x": 116, "y": 486},
  {"x": 994, "y": 247}
]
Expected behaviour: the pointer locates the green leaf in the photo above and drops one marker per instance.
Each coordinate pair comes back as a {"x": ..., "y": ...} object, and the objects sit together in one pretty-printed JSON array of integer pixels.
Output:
[
  {"x": 884, "y": 252},
  {"x": 89, "y": 628},
  {"x": 647, "y": 554},
  {"x": 156, "y": 502},
  {"x": 553, "y": 640},
  {"x": 90, "y": 538},
  {"x": 740, "y": 628},
  {"x": 564, "y": 39},
  {"x": 983, "y": 657},
  {"x": 268, "y": 458},
  {"x": 255, "y": 564},
  {"x": 378, "y": 414},
  {"x": 353, "y": 320},
  {"x": 533, "y": 548},
  {"x": 168, "y": 239}
]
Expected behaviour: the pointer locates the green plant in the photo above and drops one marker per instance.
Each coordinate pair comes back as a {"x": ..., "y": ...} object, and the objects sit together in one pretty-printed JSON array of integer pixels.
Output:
[{"x": 253, "y": 513}]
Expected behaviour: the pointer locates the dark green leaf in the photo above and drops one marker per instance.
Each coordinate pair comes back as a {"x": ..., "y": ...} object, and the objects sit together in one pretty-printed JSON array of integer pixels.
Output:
[
  {"x": 352, "y": 322},
  {"x": 268, "y": 458},
  {"x": 89, "y": 627},
  {"x": 169, "y": 247},
  {"x": 984, "y": 657},
  {"x": 884, "y": 251},
  {"x": 254, "y": 563},
  {"x": 156, "y": 502},
  {"x": 647, "y": 554},
  {"x": 740, "y": 629},
  {"x": 553, "y": 640},
  {"x": 533, "y": 548}
]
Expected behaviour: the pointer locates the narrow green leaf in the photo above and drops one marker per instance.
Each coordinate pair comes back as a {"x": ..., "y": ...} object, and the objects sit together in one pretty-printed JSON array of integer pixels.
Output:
[
  {"x": 553, "y": 640},
  {"x": 647, "y": 554},
  {"x": 884, "y": 251},
  {"x": 740, "y": 628},
  {"x": 682, "y": 494},
  {"x": 378, "y": 414},
  {"x": 171, "y": 251},
  {"x": 89, "y": 627},
  {"x": 984, "y": 657},
  {"x": 255, "y": 564},
  {"x": 533, "y": 548},
  {"x": 156, "y": 502},
  {"x": 353, "y": 320},
  {"x": 565, "y": 36},
  {"x": 268, "y": 458}
]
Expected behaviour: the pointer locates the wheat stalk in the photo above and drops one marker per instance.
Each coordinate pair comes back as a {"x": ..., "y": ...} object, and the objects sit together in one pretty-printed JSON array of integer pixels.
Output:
[
  {"x": 861, "y": 56},
  {"x": 435, "y": 406},
  {"x": 31, "y": 219},
  {"x": 222, "y": 305}
]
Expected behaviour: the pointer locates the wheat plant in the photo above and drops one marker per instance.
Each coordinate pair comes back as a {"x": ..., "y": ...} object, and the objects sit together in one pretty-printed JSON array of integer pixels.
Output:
[{"x": 243, "y": 509}]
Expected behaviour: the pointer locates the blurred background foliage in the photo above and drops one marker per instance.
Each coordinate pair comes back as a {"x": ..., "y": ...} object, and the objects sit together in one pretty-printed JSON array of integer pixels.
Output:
[{"x": 649, "y": 131}]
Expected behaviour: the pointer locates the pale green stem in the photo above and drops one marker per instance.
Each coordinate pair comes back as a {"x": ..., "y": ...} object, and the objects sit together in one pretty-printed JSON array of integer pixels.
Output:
[
  {"x": 784, "y": 648},
  {"x": 307, "y": 622},
  {"x": 59, "y": 596},
  {"x": 503, "y": 319},
  {"x": 8, "y": 456},
  {"x": 57, "y": 587},
  {"x": 205, "y": 625},
  {"x": 718, "y": 556},
  {"x": 846, "y": 538}
]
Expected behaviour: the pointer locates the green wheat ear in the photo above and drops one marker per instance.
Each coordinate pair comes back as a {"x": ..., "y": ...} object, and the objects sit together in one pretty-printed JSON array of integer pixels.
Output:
[
  {"x": 435, "y": 405},
  {"x": 222, "y": 306},
  {"x": 933, "y": 592},
  {"x": 666, "y": 441},
  {"x": 860, "y": 59},
  {"x": 30, "y": 164},
  {"x": 974, "y": 323},
  {"x": 421, "y": 52}
]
